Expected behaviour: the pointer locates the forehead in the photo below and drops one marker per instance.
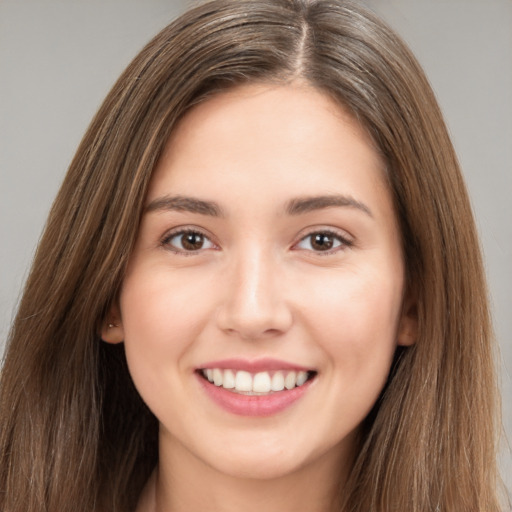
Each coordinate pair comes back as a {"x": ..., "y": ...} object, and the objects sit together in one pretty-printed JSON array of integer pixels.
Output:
[
  {"x": 289, "y": 138},
  {"x": 266, "y": 109}
]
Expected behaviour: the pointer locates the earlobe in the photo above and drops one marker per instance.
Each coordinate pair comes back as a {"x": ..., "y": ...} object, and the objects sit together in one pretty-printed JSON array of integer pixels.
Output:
[
  {"x": 408, "y": 327},
  {"x": 112, "y": 328}
]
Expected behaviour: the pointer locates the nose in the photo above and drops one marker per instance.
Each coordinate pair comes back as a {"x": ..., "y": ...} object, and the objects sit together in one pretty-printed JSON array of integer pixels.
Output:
[{"x": 254, "y": 305}]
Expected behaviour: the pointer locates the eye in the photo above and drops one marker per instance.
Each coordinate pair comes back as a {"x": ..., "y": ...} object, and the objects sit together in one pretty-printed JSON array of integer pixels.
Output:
[
  {"x": 187, "y": 240},
  {"x": 323, "y": 241}
]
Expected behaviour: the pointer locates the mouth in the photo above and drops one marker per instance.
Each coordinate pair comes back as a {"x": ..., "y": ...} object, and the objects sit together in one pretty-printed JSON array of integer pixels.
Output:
[
  {"x": 262, "y": 383},
  {"x": 259, "y": 387}
]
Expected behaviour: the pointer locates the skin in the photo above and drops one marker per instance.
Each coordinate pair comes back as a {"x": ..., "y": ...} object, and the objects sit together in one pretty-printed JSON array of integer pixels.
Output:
[{"x": 258, "y": 287}]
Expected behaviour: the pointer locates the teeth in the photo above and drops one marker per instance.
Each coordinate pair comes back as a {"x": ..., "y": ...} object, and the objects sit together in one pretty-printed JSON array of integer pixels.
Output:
[
  {"x": 277, "y": 381},
  {"x": 301, "y": 378},
  {"x": 229, "y": 379},
  {"x": 290, "y": 380},
  {"x": 261, "y": 382},
  {"x": 217, "y": 377},
  {"x": 243, "y": 381}
]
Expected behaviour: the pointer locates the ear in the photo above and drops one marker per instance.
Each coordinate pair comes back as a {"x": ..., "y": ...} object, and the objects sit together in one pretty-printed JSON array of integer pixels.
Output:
[
  {"x": 407, "y": 333},
  {"x": 112, "y": 327}
]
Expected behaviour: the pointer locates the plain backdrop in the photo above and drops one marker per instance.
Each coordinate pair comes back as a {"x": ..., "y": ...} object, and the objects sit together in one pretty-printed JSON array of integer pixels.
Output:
[{"x": 58, "y": 59}]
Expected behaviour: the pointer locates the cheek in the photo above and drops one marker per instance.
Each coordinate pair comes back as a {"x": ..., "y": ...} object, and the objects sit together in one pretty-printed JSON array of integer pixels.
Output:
[
  {"x": 160, "y": 326},
  {"x": 355, "y": 303},
  {"x": 354, "y": 319},
  {"x": 162, "y": 306}
]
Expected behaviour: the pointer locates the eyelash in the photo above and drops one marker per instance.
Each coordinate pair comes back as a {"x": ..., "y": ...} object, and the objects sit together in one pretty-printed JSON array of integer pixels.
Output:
[
  {"x": 344, "y": 242},
  {"x": 181, "y": 232}
]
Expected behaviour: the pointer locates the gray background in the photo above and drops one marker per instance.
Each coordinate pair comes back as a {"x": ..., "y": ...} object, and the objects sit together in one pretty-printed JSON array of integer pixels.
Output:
[{"x": 59, "y": 58}]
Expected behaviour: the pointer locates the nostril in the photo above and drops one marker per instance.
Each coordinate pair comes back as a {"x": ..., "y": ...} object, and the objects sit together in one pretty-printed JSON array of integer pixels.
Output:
[{"x": 254, "y": 323}]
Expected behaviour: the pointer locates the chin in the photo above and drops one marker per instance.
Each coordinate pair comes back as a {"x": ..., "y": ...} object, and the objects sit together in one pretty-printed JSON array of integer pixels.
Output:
[
  {"x": 263, "y": 459},
  {"x": 259, "y": 468}
]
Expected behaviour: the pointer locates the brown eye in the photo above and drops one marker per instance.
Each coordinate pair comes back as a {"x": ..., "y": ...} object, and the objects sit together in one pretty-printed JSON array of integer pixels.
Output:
[
  {"x": 188, "y": 241},
  {"x": 192, "y": 241},
  {"x": 323, "y": 241}
]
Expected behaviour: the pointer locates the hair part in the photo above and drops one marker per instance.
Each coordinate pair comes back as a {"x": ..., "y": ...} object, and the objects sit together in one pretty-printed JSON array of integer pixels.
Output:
[{"x": 72, "y": 423}]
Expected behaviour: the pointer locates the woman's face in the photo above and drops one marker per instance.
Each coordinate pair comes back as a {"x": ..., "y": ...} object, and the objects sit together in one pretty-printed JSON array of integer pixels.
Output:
[{"x": 269, "y": 261}]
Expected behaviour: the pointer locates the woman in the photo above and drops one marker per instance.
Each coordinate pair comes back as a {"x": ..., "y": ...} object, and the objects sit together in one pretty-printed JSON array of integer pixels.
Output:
[{"x": 249, "y": 290}]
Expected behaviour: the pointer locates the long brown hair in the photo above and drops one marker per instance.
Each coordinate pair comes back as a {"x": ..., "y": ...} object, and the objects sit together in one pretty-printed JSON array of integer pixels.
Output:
[{"x": 75, "y": 435}]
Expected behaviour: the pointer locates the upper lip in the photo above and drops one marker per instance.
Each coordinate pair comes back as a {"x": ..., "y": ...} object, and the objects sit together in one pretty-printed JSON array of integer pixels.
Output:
[{"x": 253, "y": 365}]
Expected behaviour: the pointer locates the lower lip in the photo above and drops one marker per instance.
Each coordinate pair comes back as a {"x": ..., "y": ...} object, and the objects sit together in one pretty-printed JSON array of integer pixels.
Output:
[{"x": 253, "y": 405}]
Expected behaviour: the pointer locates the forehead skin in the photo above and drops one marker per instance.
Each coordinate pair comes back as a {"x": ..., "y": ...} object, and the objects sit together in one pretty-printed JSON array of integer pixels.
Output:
[{"x": 209, "y": 125}]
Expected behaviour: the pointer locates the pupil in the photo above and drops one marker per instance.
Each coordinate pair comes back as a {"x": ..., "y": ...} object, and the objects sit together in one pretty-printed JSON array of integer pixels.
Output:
[
  {"x": 192, "y": 241},
  {"x": 322, "y": 241}
]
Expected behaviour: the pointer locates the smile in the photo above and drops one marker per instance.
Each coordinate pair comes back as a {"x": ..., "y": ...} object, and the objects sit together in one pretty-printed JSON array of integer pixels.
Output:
[
  {"x": 258, "y": 388},
  {"x": 247, "y": 383}
]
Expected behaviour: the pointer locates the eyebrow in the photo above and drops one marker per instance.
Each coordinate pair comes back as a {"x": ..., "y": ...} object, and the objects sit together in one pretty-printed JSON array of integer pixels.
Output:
[
  {"x": 308, "y": 204},
  {"x": 296, "y": 206},
  {"x": 185, "y": 204}
]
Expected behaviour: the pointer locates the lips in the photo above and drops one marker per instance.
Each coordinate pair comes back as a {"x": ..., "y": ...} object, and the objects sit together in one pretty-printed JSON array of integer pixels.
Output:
[{"x": 254, "y": 388}]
